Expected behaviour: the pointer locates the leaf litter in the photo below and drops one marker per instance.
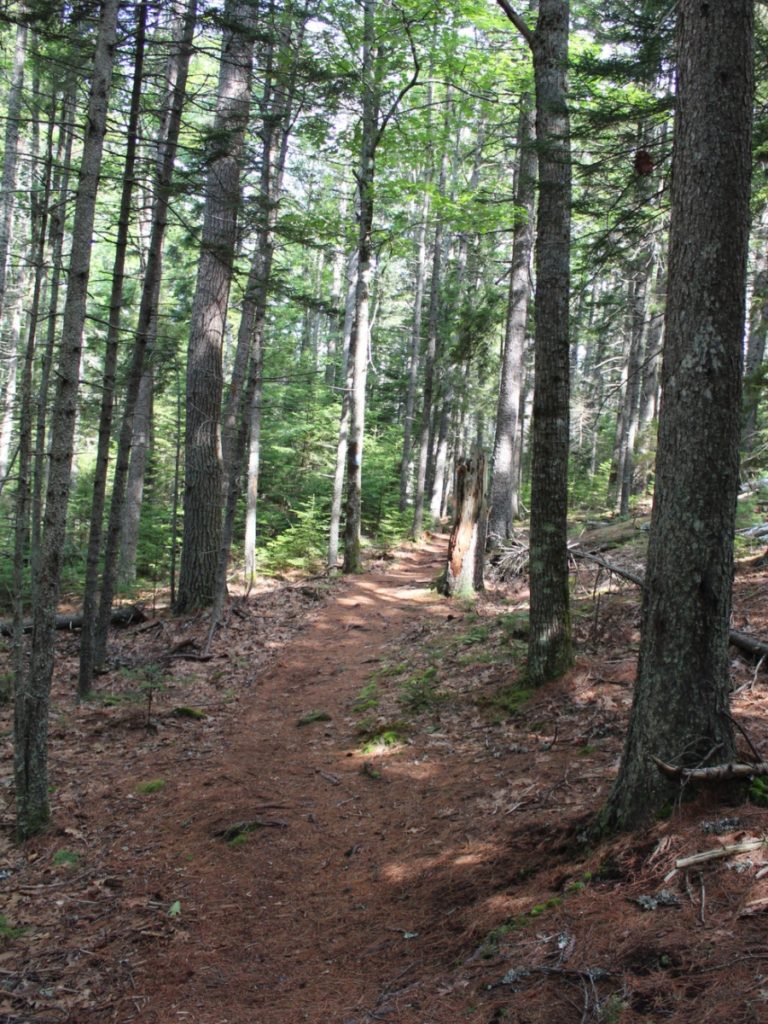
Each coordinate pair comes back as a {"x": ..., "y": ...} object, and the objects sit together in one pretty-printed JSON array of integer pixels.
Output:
[{"x": 461, "y": 890}]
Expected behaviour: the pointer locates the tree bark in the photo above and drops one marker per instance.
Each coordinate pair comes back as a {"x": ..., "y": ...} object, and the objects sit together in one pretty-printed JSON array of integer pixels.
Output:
[
  {"x": 549, "y": 649},
  {"x": 96, "y": 529},
  {"x": 150, "y": 291},
  {"x": 503, "y": 503},
  {"x": 358, "y": 351},
  {"x": 341, "y": 447},
  {"x": 463, "y": 575},
  {"x": 415, "y": 349},
  {"x": 134, "y": 488},
  {"x": 33, "y": 696},
  {"x": 758, "y": 327},
  {"x": 680, "y": 710},
  {"x": 430, "y": 360},
  {"x": 10, "y": 156},
  {"x": 203, "y": 469}
]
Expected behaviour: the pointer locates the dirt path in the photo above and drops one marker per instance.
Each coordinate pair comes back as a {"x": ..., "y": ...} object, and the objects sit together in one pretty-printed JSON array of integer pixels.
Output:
[
  {"x": 440, "y": 880},
  {"x": 313, "y": 917}
]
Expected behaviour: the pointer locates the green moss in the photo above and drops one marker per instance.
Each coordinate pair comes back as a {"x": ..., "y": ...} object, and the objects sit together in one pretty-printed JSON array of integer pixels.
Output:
[
  {"x": 153, "y": 786},
  {"x": 313, "y": 716},
  {"x": 8, "y": 932},
  {"x": 510, "y": 699},
  {"x": 65, "y": 858},
  {"x": 185, "y": 712}
]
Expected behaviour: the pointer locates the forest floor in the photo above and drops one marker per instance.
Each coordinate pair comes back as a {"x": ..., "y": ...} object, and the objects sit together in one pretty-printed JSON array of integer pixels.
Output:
[{"x": 354, "y": 812}]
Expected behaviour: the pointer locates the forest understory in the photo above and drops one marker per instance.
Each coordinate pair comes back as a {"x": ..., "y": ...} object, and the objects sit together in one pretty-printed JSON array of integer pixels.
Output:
[{"x": 355, "y": 811}]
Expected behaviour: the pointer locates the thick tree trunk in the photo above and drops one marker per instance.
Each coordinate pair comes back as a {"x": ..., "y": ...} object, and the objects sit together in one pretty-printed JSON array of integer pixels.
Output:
[
  {"x": 680, "y": 710},
  {"x": 463, "y": 575},
  {"x": 203, "y": 470},
  {"x": 549, "y": 649},
  {"x": 33, "y": 695},
  {"x": 243, "y": 413},
  {"x": 504, "y": 498}
]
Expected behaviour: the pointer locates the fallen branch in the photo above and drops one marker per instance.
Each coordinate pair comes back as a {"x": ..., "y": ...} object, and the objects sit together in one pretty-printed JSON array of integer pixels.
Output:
[
  {"x": 715, "y": 773},
  {"x": 721, "y": 851},
  {"x": 624, "y": 574},
  {"x": 744, "y": 641},
  {"x": 123, "y": 616}
]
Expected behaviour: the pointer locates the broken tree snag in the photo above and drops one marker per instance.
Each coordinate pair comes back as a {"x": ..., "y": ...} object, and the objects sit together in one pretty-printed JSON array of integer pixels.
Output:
[
  {"x": 715, "y": 773},
  {"x": 463, "y": 574}
]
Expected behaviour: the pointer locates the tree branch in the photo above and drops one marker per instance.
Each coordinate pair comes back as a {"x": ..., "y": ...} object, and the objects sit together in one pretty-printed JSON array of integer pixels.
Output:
[
  {"x": 517, "y": 21},
  {"x": 412, "y": 81},
  {"x": 714, "y": 773}
]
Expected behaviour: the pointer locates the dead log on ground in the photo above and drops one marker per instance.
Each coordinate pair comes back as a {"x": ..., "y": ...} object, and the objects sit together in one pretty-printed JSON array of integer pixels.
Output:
[{"x": 125, "y": 615}]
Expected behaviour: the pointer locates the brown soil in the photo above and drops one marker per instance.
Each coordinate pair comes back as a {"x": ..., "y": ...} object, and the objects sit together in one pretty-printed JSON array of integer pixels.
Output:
[{"x": 282, "y": 872}]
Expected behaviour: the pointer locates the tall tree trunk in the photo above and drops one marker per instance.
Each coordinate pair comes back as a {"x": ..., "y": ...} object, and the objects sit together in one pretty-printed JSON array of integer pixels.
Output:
[
  {"x": 634, "y": 380},
  {"x": 33, "y": 696},
  {"x": 649, "y": 392},
  {"x": 58, "y": 217},
  {"x": 358, "y": 350},
  {"x": 430, "y": 359},
  {"x": 242, "y": 416},
  {"x": 341, "y": 446},
  {"x": 134, "y": 489},
  {"x": 549, "y": 647},
  {"x": 758, "y": 328},
  {"x": 441, "y": 455},
  {"x": 96, "y": 530},
  {"x": 203, "y": 470},
  {"x": 504, "y": 482},
  {"x": 680, "y": 710},
  {"x": 415, "y": 349},
  {"x": 620, "y": 480},
  {"x": 10, "y": 156},
  {"x": 150, "y": 292}
]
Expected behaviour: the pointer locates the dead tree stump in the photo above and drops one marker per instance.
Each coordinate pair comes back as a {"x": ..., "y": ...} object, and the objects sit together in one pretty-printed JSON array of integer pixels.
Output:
[{"x": 463, "y": 574}]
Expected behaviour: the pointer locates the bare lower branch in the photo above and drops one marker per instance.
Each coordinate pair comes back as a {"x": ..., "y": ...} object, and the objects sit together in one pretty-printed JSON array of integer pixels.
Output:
[{"x": 517, "y": 21}]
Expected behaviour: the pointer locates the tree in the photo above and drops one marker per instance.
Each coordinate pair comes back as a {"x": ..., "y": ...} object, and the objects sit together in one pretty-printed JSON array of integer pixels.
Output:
[
  {"x": 145, "y": 327},
  {"x": 504, "y": 487},
  {"x": 373, "y": 126},
  {"x": 202, "y": 448},
  {"x": 549, "y": 645},
  {"x": 680, "y": 709},
  {"x": 33, "y": 689}
]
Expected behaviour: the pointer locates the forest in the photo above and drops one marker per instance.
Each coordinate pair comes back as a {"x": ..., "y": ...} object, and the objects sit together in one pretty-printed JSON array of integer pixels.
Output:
[{"x": 383, "y": 485}]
